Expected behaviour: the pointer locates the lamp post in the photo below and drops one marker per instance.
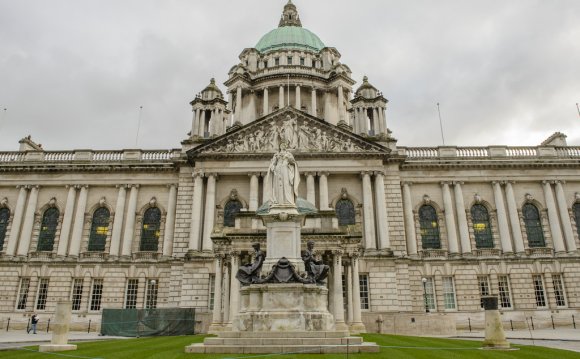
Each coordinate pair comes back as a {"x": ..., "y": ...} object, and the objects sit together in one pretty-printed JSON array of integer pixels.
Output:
[{"x": 424, "y": 280}]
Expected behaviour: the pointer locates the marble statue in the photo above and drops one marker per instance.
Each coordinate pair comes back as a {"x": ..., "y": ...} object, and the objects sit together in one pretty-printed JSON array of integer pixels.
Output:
[
  {"x": 250, "y": 273},
  {"x": 317, "y": 271},
  {"x": 282, "y": 179}
]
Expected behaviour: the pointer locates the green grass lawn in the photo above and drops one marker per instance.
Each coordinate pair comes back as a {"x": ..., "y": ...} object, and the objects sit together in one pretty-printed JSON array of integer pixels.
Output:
[{"x": 394, "y": 346}]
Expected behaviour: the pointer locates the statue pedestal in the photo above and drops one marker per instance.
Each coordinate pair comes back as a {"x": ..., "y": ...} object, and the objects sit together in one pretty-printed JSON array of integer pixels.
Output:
[
  {"x": 494, "y": 333},
  {"x": 283, "y": 224},
  {"x": 287, "y": 307},
  {"x": 60, "y": 328}
]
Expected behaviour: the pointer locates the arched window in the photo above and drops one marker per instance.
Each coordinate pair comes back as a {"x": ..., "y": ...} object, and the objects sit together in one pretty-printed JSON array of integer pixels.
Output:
[
  {"x": 4, "y": 217},
  {"x": 533, "y": 226},
  {"x": 576, "y": 209},
  {"x": 231, "y": 209},
  {"x": 48, "y": 229},
  {"x": 481, "y": 226},
  {"x": 429, "y": 227},
  {"x": 150, "y": 230},
  {"x": 99, "y": 230},
  {"x": 345, "y": 212}
]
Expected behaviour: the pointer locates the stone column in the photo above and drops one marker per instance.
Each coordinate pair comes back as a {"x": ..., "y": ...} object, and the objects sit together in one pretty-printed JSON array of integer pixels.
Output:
[
  {"x": 226, "y": 294},
  {"x": 217, "y": 297},
  {"x": 238, "y": 111},
  {"x": 565, "y": 215},
  {"x": 265, "y": 105},
  {"x": 409, "y": 220},
  {"x": 449, "y": 219},
  {"x": 337, "y": 291},
  {"x": 28, "y": 224},
  {"x": 376, "y": 122},
  {"x": 340, "y": 104},
  {"x": 298, "y": 99},
  {"x": 170, "y": 221},
  {"x": 323, "y": 194},
  {"x": 349, "y": 295},
  {"x": 382, "y": 122},
  {"x": 195, "y": 227},
  {"x": 118, "y": 221},
  {"x": 281, "y": 97},
  {"x": 16, "y": 221},
  {"x": 356, "y": 326},
  {"x": 201, "y": 129},
  {"x": 313, "y": 99},
  {"x": 234, "y": 286},
  {"x": 66, "y": 221},
  {"x": 77, "y": 233},
  {"x": 254, "y": 184},
  {"x": 462, "y": 219},
  {"x": 382, "y": 215},
  {"x": 514, "y": 217},
  {"x": 553, "y": 218},
  {"x": 363, "y": 125},
  {"x": 310, "y": 190},
  {"x": 368, "y": 211},
  {"x": 504, "y": 232},
  {"x": 209, "y": 212},
  {"x": 195, "y": 124},
  {"x": 212, "y": 120},
  {"x": 130, "y": 221}
]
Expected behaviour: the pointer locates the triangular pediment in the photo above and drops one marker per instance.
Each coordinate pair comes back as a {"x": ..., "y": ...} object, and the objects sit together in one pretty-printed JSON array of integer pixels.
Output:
[{"x": 303, "y": 134}]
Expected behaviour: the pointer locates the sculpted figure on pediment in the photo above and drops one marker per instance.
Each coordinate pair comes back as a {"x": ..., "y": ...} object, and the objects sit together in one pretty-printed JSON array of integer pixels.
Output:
[{"x": 282, "y": 179}]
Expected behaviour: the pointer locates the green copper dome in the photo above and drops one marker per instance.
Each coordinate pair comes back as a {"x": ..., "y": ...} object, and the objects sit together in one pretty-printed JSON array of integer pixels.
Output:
[{"x": 289, "y": 37}]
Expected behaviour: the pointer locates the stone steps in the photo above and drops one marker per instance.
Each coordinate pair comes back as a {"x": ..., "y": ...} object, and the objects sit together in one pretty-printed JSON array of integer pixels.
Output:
[
  {"x": 284, "y": 341},
  {"x": 200, "y": 348},
  {"x": 303, "y": 334}
]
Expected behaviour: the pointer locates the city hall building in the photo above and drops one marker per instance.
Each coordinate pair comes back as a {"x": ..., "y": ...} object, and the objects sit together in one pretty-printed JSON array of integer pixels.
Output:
[{"x": 417, "y": 234}]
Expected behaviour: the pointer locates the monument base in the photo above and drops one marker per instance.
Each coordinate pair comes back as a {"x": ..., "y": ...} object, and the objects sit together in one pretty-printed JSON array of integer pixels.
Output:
[{"x": 56, "y": 347}]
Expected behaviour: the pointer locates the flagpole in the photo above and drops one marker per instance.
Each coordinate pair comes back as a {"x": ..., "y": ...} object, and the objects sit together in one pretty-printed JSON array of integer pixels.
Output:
[
  {"x": 288, "y": 92},
  {"x": 440, "y": 123},
  {"x": 577, "y": 108}
]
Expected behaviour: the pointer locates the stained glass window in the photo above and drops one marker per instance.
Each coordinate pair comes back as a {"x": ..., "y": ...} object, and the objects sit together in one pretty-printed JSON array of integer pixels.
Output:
[
  {"x": 345, "y": 212},
  {"x": 533, "y": 226},
  {"x": 151, "y": 230},
  {"x": 99, "y": 230},
  {"x": 4, "y": 217},
  {"x": 481, "y": 226},
  {"x": 231, "y": 209},
  {"x": 429, "y": 224},
  {"x": 48, "y": 229}
]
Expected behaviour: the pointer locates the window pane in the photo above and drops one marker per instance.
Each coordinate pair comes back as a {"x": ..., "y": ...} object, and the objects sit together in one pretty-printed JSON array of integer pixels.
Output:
[
  {"x": 4, "y": 218},
  {"x": 504, "y": 292},
  {"x": 231, "y": 209},
  {"x": 483, "y": 282},
  {"x": 97, "y": 294},
  {"x": 345, "y": 212},
  {"x": 429, "y": 293},
  {"x": 99, "y": 230},
  {"x": 23, "y": 293},
  {"x": 150, "y": 230},
  {"x": 559, "y": 290},
  {"x": 539, "y": 291},
  {"x": 533, "y": 226},
  {"x": 429, "y": 228},
  {"x": 481, "y": 226},
  {"x": 211, "y": 290},
  {"x": 77, "y": 293},
  {"x": 42, "y": 294},
  {"x": 448, "y": 293},
  {"x": 48, "y": 230},
  {"x": 364, "y": 291},
  {"x": 151, "y": 295},
  {"x": 131, "y": 293}
]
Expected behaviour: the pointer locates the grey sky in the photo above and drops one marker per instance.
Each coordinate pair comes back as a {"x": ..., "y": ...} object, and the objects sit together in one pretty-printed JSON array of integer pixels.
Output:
[{"x": 74, "y": 73}]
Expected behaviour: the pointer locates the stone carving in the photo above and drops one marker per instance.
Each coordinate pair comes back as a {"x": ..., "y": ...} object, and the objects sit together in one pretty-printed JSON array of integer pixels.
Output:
[
  {"x": 317, "y": 271},
  {"x": 299, "y": 134},
  {"x": 529, "y": 197},
  {"x": 250, "y": 273},
  {"x": 477, "y": 198},
  {"x": 282, "y": 180},
  {"x": 284, "y": 272},
  {"x": 4, "y": 202}
]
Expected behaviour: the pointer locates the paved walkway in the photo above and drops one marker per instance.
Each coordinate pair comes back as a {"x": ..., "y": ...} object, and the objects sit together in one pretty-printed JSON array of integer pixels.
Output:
[
  {"x": 16, "y": 338},
  {"x": 568, "y": 339}
]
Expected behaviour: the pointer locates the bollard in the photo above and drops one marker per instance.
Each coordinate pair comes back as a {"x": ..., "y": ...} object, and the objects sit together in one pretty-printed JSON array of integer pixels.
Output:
[
  {"x": 553, "y": 326},
  {"x": 8, "y": 325},
  {"x": 469, "y": 321},
  {"x": 573, "y": 321},
  {"x": 532, "y": 320},
  {"x": 89, "y": 330},
  {"x": 48, "y": 325},
  {"x": 28, "y": 325},
  {"x": 512, "y": 324}
]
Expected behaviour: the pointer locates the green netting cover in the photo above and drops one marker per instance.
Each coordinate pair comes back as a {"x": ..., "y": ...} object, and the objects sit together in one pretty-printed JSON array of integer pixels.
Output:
[{"x": 148, "y": 322}]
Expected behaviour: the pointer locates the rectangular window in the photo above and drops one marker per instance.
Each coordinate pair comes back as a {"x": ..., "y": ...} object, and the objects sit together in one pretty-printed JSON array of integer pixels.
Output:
[
  {"x": 289, "y": 60},
  {"x": 483, "y": 283},
  {"x": 559, "y": 291},
  {"x": 344, "y": 292},
  {"x": 151, "y": 294},
  {"x": 211, "y": 290},
  {"x": 429, "y": 294},
  {"x": 302, "y": 61},
  {"x": 77, "y": 293},
  {"x": 449, "y": 293},
  {"x": 539, "y": 291},
  {"x": 96, "y": 294},
  {"x": 23, "y": 293},
  {"x": 276, "y": 61},
  {"x": 131, "y": 293},
  {"x": 503, "y": 287},
  {"x": 42, "y": 294},
  {"x": 364, "y": 291}
]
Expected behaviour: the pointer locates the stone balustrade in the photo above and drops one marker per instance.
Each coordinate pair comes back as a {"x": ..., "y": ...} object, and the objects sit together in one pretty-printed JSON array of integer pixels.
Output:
[
  {"x": 491, "y": 152},
  {"x": 90, "y": 156}
]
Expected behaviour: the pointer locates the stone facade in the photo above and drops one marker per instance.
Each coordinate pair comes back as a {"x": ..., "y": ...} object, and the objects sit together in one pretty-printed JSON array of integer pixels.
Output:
[{"x": 181, "y": 221}]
